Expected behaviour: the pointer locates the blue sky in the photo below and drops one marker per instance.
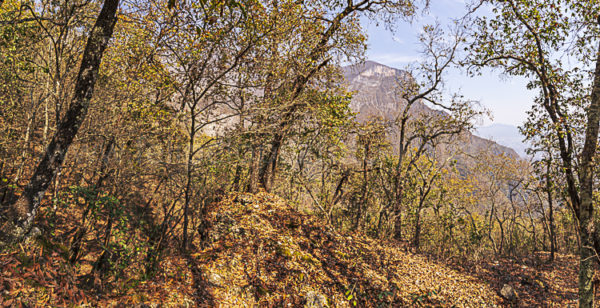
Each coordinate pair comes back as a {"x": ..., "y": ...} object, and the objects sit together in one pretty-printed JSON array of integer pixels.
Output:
[{"x": 506, "y": 97}]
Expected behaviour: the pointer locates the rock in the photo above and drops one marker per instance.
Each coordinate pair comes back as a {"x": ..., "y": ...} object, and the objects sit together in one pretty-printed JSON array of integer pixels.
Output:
[
  {"x": 509, "y": 293},
  {"x": 35, "y": 232},
  {"x": 315, "y": 300},
  {"x": 244, "y": 199},
  {"x": 222, "y": 225},
  {"x": 214, "y": 279}
]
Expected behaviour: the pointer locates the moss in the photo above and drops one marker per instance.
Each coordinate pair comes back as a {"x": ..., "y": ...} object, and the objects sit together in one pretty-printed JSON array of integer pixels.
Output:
[
  {"x": 284, "y": 251},
  {"x": 309, "y": 259},
  {"x": 50, "y": 246},
  {"x": 342, "y": 254}
]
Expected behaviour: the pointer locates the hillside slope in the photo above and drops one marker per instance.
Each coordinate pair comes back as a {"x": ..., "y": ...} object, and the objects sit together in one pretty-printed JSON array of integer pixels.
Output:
[{"x": 264, "y": 252}]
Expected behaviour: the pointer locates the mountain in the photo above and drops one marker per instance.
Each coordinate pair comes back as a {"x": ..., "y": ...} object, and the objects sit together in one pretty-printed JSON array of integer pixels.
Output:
[
  {"x": 504, "y": 134},
  {"x": 376, "y": 90},
  {"x": 375, "y": 95}
]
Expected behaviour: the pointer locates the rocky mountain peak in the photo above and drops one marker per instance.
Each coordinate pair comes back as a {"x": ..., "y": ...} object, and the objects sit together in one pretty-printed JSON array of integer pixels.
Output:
[
  {"x": 374, "y": 69},
  {"x": 374, "y": 85},
  {"x": 375, "y": 95}
]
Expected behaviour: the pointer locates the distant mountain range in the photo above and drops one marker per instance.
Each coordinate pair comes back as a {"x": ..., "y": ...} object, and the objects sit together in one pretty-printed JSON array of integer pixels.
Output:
[
  {"x": 504, "y": 134},
  {"x": 375, "y": 84}
]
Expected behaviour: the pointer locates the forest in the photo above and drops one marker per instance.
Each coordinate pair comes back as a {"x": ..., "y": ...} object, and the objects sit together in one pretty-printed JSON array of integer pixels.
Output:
[{"x": 235, "y": 153}]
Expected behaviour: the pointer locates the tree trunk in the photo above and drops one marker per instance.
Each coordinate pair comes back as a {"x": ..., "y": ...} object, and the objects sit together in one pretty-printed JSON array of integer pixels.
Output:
[
  {"x": 268, "y": 165},
  {"x": 586, "y": 211},
  {"x": 22, "y": 212},
  {"x": 550, "y": 214},
  {"x": 253, "y": 170},
  {"x": 417, "y": 236},
  {"x": 235, "y": 186},
  {"x": 80, "y": 234},
  {"x": 188, "y": 184},
  {"x": 398, "y": 225},
  {"x": 26, "y": 145},
  {"x": 362, "y": 203}
]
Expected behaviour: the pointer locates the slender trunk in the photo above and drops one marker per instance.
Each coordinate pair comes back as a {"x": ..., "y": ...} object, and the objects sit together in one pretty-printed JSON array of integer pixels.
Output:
[
  {"x": 339, "y": 191},
  {"x": 241, "y": 149},
  {"x": 268, "y": 166},
  {"x": 23, "y": 212},
  {"x": 362, "y": 204},
  {"x": 399, "y": 196},
  {"x": 416, "y": 238},
  {"x": 46, "y": 122},
  {"x": 501, "y": 225},
  {"x": 587, "y": 259},
  {"x": 382, "y": 212},
  {"x": 188, "y": 184},
  {"x": 102, "y": 264},
  {"x": 237, "y": 177},
  {"x": 398, "y": 189},
  {"x": 26, "y": 146},
  {"x": 398, "y": 212},
  {"x": 490, "y": 229},
  {"x": 398, "y": 225},
  {"x": 82, "y": 231},
  {"x": 253, "y": 170},
  {"x": 550, "y": 213}
]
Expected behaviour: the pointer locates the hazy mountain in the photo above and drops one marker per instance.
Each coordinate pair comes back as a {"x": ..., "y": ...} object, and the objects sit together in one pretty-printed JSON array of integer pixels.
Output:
[
  {"x": 375, "y": 86},
  {"x": 504, "y": 134}
]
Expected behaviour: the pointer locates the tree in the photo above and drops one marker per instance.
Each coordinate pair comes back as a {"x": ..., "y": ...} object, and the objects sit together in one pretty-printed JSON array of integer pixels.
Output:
[
  {"x": 201, "y": 61},
  {"x": 321, "y": 47},
  {"x": 527, "y": 38},
  {"x": 421, "y": 130},
  {"x": 23, "y": 212}
]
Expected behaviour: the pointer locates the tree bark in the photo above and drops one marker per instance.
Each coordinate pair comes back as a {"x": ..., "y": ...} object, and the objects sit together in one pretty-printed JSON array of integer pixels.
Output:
[
  {"x": 268, "y": 166},
  {"x": 417, "y": 236},
  {"x": 253, "y": 177},
  {"x": 22, "y": 212},
  {"x": 362, "y": 203},
  {"x": 550, "y": 213},
  {"x": 588, "y": 256},
  {"x": 188, "y": 184}
]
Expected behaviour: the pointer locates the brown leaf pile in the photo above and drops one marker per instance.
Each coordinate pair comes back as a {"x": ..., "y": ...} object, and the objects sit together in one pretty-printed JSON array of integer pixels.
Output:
[
  {"x": 263, "y": 252},
  {"x": 538, "y": 283},
  {"x": 32, "y": 275},
  {"x": 27, "y": 277}
]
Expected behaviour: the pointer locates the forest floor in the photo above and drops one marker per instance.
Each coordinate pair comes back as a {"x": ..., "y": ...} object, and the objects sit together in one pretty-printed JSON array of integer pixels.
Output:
[{"x": 264, "y": 253}]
